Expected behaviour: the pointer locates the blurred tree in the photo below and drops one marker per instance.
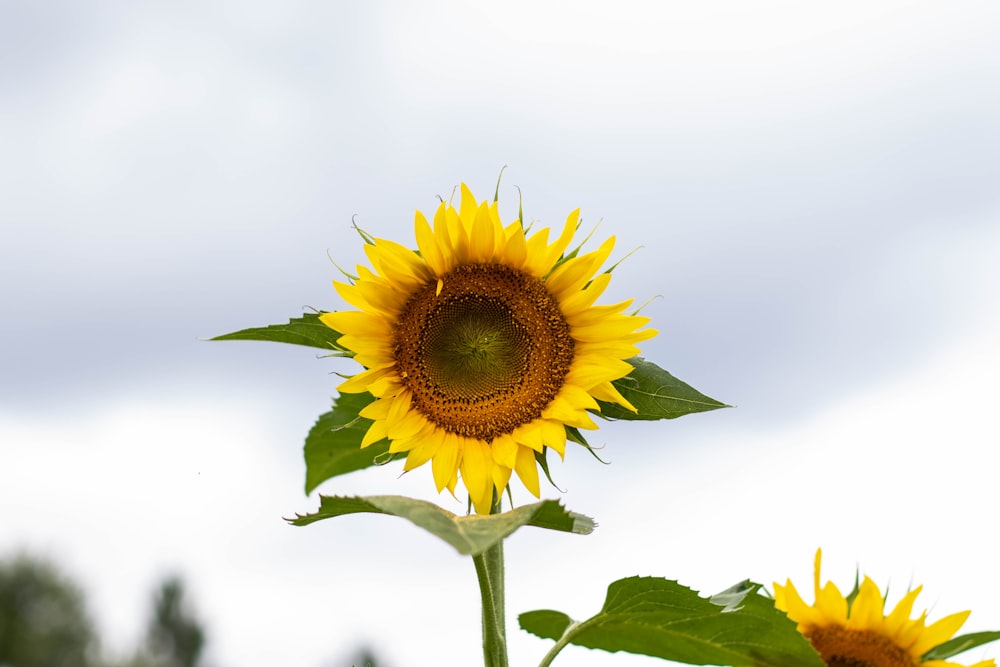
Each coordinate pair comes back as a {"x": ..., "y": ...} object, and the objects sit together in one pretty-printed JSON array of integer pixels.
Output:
[
  {"x": 365, "y": 657},
  {"x": 43, "y": 618},
  {"x": 174, "y": 635}
]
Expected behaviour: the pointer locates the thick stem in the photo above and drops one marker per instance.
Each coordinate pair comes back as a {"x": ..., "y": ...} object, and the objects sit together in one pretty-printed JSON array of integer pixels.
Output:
[{"x": 490, "y": 571}]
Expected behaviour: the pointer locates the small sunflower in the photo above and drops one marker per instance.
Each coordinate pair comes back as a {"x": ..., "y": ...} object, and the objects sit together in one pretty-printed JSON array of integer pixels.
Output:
[
  {"x": 857, "y": 633},
  {"x": 483, "y": 345}
]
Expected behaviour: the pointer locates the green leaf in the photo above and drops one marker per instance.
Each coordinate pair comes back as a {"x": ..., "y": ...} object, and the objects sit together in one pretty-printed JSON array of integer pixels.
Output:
[
  {"x": 306, "y": 330},
  {"x": 333, "y": 446},
  {"x": 663, "y": 619},
  {"x": 471, "y": 535},
  {"x": 656, "y": 394},
  {"x": 957, "y": 645}
]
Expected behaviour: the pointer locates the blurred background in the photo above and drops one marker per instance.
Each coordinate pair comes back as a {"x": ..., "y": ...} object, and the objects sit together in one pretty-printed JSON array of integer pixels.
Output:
[{"x": 812, "y": 190}]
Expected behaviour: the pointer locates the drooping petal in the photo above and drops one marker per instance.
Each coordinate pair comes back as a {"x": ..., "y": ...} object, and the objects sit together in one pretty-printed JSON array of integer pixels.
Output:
[
  {"x": 445, "y": 461},
  {"x": 476, "y": 468},
  {"x": 527, "y": 470},
  {"x": 554, "y": 436}
]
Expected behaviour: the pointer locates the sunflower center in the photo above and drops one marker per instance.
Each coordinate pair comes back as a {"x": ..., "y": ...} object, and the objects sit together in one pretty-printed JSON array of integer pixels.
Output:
[
  {"x": 486, "y": 354},
  {"x": 845, "y": 647}
]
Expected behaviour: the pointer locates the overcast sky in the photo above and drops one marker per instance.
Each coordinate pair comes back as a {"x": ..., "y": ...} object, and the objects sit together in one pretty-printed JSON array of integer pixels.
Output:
[{"x": 813, "y": 191}]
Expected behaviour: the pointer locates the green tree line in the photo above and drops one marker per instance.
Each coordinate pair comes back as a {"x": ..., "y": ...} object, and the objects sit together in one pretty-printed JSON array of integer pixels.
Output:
[{"x": 44, "y": 622}]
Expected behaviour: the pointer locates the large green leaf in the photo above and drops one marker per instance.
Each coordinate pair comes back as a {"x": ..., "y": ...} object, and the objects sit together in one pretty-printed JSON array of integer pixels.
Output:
[
  {"x": 656, "y": 394},
  {"x": 333, "y": 446},
  {"x": 306, "y": 330},
  {"x": 663, "y": 619},
  {"x": 471, "y": 535},
  {"x": 959, "y": 644}
]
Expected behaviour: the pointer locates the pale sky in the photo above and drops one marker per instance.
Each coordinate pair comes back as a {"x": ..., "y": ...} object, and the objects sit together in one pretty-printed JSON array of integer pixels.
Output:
[{"x": 813, "y": 192}]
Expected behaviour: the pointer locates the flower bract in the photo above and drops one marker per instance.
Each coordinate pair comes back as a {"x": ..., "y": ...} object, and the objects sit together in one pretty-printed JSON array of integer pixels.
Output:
[
  {"x": 855, "y": 631},
  {"x": 483, "y": 345}
]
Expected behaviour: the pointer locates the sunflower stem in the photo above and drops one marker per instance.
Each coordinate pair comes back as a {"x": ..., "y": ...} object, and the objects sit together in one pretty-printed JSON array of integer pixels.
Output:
[{"x": 490, "y": 572}]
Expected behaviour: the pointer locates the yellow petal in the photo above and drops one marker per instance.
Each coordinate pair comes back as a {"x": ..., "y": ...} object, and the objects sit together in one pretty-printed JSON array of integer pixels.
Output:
[
  {"x": 482, "y": 244},
  {"x": 585, "y": 298},
  {"x": 468, "y": 207},
  {"x": 609, "y": 394},
  {"x": 554, "y": 436},
  {"x": 587, "y": 375},
  {"x": 504, "y": 450},
  {"x": 353, "y": 322},
  {"x": 387, "y": 385},
  {"x": 556, "y": 250},
  {"x": 476, "y": 468},
  {"x": 900, "y": 615},
  {"x": 402, "y": 267},
  {"x": 561, "y": 410},
  {"x": 351, "y": 295},
  {"x": 527, "y": 470},
  {"x": 516, "y": 250},
  {"x": 867, "y": 610},
  {"x": 610, "y": 329},
  {"x": 406, "y": 426},
  {"x": 939, "y": 632},
  {"x": 365, "y": 345},
  {"x": 572, "y": 275},
  {"x": 501, "y": 477},
  {"x": 398, "y": 409},
  {"x": 832, "y": 604},
  {"x": 360, "y": 383},
  {"x": 376, "y": 432},
  {"x": 423, "y": 452},
  {"x": 427, "y": 243},
  {"x": 577, "y": 397},
  {"x": 445, "y": 461},
  {"x": 535, "y": 263},
  {"x": 529, "y": 435},
  {"x": 787, "y": 598},
  {"x": 377, "y": 410},
  {"x": 383, "y": 299}
]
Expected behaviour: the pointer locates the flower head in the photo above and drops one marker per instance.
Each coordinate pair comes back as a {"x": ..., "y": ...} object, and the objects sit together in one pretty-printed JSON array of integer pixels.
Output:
[
  {"x": 483, "y": 345},
  {"x": 857, "y": 633}
]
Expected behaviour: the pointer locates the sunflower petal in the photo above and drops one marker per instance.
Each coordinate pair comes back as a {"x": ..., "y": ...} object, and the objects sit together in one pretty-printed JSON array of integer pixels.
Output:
[
  {"x": 527, "y": 470},
  {"x": 445, "y": 461}
]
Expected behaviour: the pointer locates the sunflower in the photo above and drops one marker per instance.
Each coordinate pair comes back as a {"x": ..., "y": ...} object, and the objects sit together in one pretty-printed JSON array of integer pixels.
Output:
[
  {"x": 484, "y": 345},
  {"x": 855, "y": 632}
]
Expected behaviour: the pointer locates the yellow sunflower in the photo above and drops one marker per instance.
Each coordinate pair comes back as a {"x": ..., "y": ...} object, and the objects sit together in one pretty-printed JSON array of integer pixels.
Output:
[
  {"x": 483, "y": 345},
  {"x": 859, "y": 634}
]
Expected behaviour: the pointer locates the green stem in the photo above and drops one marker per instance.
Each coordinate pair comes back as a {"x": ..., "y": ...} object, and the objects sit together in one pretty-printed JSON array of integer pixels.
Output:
[
  {"x": 490, "y": 572},
  {"x": 559, "y": 645}
]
